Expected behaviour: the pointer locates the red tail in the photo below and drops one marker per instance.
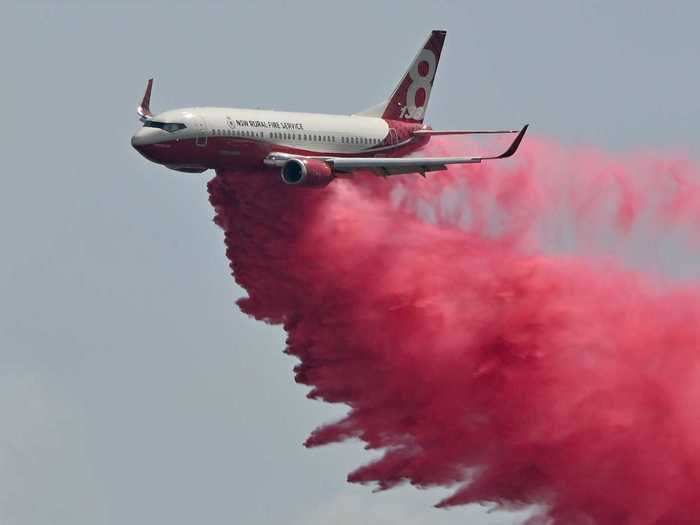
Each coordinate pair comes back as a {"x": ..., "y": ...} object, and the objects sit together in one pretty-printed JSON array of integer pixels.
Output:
[{"x": 410, "y": 98}]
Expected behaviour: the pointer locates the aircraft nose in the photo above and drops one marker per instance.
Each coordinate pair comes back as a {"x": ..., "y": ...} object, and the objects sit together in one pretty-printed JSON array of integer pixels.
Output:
[{"x": 144, "y": 136}]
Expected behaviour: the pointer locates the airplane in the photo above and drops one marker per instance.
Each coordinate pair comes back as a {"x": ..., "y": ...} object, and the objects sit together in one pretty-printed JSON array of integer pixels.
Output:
[{"x": 309, "y": 149}]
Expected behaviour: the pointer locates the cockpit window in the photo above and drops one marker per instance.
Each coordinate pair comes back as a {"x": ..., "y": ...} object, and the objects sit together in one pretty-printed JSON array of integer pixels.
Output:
[{"x": 167, "y": 126}]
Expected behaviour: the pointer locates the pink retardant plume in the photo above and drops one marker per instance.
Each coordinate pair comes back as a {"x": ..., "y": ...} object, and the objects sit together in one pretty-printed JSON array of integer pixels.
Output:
[{"x": 473, "y": 357}]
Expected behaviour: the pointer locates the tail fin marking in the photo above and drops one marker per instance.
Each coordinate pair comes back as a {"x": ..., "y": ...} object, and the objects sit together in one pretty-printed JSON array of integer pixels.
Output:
[{"x": 410, "y": 99}]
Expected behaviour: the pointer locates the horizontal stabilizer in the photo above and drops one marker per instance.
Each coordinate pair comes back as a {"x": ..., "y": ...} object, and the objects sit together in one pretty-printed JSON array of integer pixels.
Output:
[{"x": 428, "y": 132}]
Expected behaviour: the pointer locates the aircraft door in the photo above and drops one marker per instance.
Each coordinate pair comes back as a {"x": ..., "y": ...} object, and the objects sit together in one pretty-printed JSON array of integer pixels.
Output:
[{"x": 202, "y": 131}]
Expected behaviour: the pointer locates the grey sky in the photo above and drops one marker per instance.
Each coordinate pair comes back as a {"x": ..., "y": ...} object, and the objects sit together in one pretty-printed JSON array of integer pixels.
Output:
[{"x": 131, "y": 388}]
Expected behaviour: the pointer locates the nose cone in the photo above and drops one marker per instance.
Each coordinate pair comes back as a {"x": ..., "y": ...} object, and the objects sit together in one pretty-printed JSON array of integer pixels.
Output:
[
  {"x": 145, "y": 136},
  {"x": 146, "y": 141},
  {"x": 149, "y": 143}
]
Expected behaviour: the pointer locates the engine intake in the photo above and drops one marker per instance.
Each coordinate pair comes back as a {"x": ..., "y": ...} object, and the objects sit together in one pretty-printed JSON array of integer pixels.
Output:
[{"x": 307, "y": 172}]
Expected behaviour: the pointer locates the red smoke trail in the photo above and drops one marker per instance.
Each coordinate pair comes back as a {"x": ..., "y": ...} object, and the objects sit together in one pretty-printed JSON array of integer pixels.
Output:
[{"x": 469, "y": 355}]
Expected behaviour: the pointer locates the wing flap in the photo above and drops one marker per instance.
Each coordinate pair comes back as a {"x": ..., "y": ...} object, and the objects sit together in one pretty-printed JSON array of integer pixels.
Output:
[
  {"x": 397, "y": 166},
  {"x": 385, "y": 171}
]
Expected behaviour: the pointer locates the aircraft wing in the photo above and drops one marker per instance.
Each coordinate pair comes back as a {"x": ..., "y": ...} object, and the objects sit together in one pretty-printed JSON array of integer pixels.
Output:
[{"x": 394, "y": 166}]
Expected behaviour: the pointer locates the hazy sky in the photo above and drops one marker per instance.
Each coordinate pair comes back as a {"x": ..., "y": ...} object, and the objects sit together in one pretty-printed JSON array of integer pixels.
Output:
[{"x": 131, "y": 388}]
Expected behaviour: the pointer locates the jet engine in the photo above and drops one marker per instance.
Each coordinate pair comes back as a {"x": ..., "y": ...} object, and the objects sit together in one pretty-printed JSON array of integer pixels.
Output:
[{"x": 307, "y": 172}]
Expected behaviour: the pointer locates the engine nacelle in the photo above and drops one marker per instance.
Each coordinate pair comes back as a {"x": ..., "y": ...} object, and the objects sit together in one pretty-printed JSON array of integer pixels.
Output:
[{"x": 307, "y": 172}]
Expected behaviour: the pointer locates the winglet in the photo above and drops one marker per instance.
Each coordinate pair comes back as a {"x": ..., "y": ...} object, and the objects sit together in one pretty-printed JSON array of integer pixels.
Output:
[
  {"x": 144, "y": 109},
  {"x": 514, "y": 146}
]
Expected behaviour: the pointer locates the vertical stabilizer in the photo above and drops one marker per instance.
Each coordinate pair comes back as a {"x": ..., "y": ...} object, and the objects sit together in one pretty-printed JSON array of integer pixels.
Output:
[{"x": 410, "y": 98}]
